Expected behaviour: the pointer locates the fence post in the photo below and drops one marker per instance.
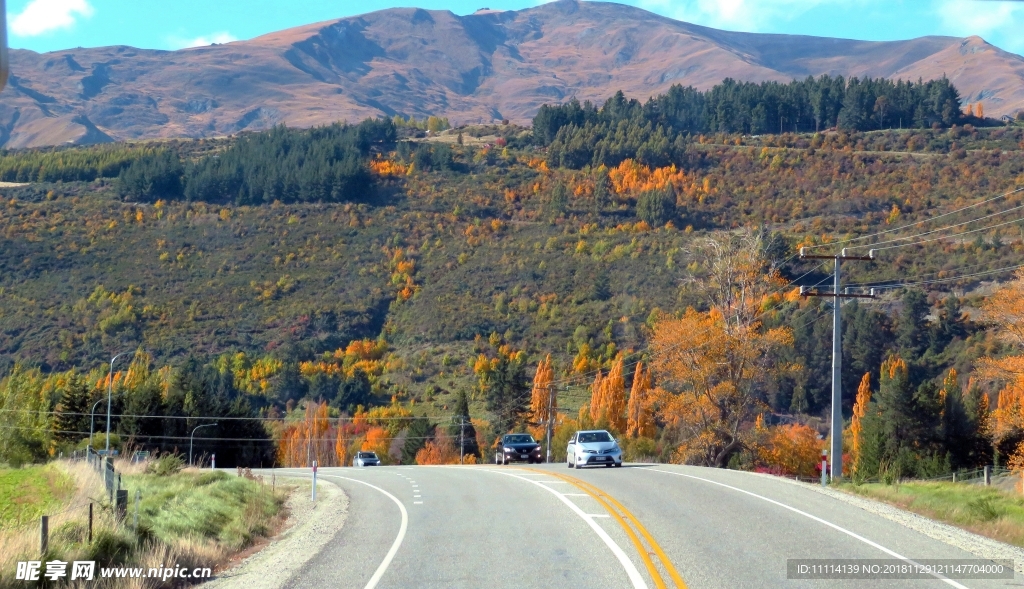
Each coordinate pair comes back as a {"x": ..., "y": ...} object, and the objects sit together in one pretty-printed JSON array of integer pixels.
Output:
[
  {"x": 122, "y": 504},
  {"x": 138, "y": 492},
  {"x": 988, "y": 476},
  {"x": 44, "y": 533},
  {"x": 90, "y": 523},
  {"x": 954, "y": 477}
]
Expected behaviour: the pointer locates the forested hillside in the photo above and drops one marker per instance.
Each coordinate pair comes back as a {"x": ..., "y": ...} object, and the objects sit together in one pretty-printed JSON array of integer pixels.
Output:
[{"x": 352, "y": 271}]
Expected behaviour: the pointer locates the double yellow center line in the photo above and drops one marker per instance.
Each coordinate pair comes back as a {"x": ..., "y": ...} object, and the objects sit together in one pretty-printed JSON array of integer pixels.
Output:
[{"x": 636, "y": 532}]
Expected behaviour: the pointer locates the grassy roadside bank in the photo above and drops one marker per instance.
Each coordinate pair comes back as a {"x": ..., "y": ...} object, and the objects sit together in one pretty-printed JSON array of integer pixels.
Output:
[
  {"x": 27, "y": 493},
  {"x": 986, "y": 511},
  {"x": 186, "y": 517}
]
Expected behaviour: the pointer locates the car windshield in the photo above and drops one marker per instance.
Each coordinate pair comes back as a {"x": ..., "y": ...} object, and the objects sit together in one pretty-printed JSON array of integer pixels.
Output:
[
  {"x": 522, "y": 439},
  {"x": 367, "y": 455},
  {"x": 591, "y": 437}
]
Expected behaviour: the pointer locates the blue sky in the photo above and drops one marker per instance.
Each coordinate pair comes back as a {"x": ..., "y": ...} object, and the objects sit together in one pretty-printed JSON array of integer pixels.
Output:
[{"x": 47, "y": 25}]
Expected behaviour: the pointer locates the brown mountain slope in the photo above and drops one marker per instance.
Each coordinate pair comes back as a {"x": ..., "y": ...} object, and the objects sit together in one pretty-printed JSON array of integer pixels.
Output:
[{"x": 473, "y": 68}]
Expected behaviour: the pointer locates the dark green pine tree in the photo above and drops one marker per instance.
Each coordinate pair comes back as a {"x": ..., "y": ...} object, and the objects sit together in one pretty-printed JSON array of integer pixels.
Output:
[
  {"x": 912, "y": 328},
  {"x": 418, "y": 432},
  {"x": 507, "y": 394},
  {"x": 72, "y": 410},
  {"x": 461, "y": 430}
]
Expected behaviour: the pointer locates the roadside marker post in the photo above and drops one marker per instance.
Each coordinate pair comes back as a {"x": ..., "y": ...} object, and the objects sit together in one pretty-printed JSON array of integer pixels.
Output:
[
  {"x": 314, "y": 480},
  {"x": 213, "y": 461},
  {"x": 824, "y": 468}
]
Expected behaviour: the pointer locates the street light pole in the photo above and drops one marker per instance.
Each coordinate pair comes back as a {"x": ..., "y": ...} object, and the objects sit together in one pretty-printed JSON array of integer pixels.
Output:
[
  {"x": 110, "y": 392},
  {"x": 193, "y": 437},
  {"x": 92, "y": 421}
]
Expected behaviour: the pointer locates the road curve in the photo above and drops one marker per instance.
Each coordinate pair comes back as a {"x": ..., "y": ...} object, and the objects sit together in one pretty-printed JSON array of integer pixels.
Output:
[{"x": 642, "y": 526}]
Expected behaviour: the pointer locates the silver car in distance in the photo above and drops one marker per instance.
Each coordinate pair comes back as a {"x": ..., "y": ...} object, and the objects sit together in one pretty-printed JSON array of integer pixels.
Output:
[
  {"x": 365, "y": 459},
  {"x": 587, "y": 448}
]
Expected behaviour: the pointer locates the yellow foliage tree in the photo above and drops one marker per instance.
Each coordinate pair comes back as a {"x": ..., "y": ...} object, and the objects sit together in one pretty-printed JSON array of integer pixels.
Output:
[
  {"x": 608, "y": 398},
  {"x": 712, "y": 363},
  {"x": 860, "y": 409},
  {"x": 542, "y": 398},
  {"x": 981, "y": 111},
  {"x": 640, "y": 423},
  {"x": 1004, "y": 309}
]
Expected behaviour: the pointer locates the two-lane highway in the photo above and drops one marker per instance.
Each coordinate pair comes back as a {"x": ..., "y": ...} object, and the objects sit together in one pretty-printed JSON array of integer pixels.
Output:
[{"x": 643, "y": 526}]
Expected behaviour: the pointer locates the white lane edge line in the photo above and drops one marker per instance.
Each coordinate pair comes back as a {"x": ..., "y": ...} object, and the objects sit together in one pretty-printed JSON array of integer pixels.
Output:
[
  {"x": 855, "y": 535},
  {"x": 627, "y": 564},
  {"x": 398, "y": 540}
]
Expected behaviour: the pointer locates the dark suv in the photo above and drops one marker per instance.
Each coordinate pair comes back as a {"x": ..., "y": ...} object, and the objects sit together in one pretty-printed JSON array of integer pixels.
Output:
[{"x": 518, "y": 448}]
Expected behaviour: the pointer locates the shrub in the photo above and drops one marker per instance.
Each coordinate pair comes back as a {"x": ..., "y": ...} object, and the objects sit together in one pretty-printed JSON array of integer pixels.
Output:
[{"x": 166, "y": 465}]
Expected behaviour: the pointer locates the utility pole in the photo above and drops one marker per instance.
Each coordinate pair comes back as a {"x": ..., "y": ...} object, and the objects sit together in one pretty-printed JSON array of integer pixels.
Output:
[
  {"x": 551, "y": 418},
  {"x": 837, "y": 295},
  {"x": 462, "y": 440}
]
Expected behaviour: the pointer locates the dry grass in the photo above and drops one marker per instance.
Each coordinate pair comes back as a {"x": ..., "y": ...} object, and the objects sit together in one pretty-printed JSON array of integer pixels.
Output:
[
  {"x": 192, "y": 519},
  {"x": 986, "y": 511}
]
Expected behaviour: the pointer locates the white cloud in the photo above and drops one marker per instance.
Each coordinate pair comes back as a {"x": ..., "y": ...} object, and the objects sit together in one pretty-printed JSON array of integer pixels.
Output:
[
  {"x": 997, "y": 22},
  {"x": 736, "y": 15},
  {"x": 44, "y": 16},
  {"x": 201, "y": 41}
]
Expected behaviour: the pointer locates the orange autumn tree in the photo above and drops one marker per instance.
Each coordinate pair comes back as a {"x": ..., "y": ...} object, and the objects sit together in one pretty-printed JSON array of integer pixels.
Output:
[
  {"x": 377, "y": 441},
  {"x": 712, "y": 363},
  {"x": 302, "y": 442},
  {"x": 440, "y": 450},
  {"x": 608, "y": 398},
  {"x": 791, "y": 449},
  {"x": 630, "y": 178},
  {"x": 543, "y": 400},
  {"x": 640, "y": 422},
  {"x": 1004, "y": 310},
  {"x": 860, "y": 410}
]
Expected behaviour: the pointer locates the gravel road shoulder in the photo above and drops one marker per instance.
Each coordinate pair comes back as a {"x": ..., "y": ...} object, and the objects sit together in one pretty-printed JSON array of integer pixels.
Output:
[{"x": 310, "y": 527}]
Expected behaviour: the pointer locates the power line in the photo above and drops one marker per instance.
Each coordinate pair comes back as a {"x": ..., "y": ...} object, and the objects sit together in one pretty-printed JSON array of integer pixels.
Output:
[
  {"x": 940, "y": 229},
  {"x": 882, "y": 283},
  {"x": 163, "y": 437},
  {"x": 951, "y": 278},
  {"x": 949, "y": 236},
  {"x": 916, "y": 223}
]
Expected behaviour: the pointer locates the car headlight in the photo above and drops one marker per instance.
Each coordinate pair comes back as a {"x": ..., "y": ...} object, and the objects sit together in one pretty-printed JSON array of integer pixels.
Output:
[
  {"x": 590, "y": 451},
  {"x": 507, "y": 449}
]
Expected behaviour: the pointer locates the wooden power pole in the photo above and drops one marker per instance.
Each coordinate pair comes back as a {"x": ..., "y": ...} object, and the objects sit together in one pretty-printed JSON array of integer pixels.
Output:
[{"x": 837, "y": 295}]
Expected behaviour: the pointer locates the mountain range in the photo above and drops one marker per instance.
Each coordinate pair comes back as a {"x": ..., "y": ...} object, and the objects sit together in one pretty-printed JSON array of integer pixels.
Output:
[{"x": 478, "y": 68}]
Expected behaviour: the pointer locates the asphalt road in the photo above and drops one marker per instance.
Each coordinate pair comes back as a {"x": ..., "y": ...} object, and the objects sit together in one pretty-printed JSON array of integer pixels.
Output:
[{"x": 643, "y": 526}]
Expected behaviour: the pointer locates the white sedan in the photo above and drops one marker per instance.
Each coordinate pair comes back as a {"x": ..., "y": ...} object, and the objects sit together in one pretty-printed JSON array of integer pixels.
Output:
[{"x": 593, "y": 447}]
